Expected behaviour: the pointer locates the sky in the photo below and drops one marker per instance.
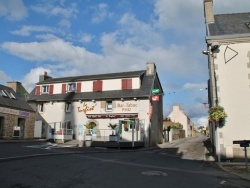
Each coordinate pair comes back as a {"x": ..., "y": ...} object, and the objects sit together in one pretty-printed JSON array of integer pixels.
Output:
[{"x": 82, "y": 37}]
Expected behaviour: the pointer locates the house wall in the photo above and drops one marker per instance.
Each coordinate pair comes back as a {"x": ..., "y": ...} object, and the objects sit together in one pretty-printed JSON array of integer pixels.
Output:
[
  {"x": 11, "y": 120},
  {"x": 233, "y": 88},
  {"x": 177, "y": 115},
  {"x": 108, "y": 85},
  {"x": 55, "y": 112}
]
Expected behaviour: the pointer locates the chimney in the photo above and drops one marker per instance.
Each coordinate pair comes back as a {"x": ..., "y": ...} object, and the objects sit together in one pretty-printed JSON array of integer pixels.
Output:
[
  {"x": 151, "y": 68},
  {"x": 16, "y": 86},
  {"x": 44, "y": 77},
  {"x": 208, "y": 11}
]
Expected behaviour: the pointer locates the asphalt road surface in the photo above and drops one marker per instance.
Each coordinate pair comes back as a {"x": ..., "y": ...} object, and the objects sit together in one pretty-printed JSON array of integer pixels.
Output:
[{"x": 40, "y": 164}]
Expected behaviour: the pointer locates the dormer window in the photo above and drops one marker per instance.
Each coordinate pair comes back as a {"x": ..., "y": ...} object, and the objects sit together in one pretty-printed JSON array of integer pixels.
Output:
[
  {"x": 2, "y": 92},
  {"x": 9, "y": 94},
  {"x": 45, "y": 89},
  {"x": 71, "y": 87}
]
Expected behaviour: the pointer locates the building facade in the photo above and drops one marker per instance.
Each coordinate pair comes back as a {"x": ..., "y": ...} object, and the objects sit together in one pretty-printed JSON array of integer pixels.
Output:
[
  {"x": 228, "y": 51},
  {"x": 124, "y": 99},
  {"x": 17, "y": 118},
  {"x": 178, "y": 116}
]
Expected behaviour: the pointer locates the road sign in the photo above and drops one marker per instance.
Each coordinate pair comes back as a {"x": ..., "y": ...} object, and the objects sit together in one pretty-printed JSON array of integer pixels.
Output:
[
  {"x": 155, "y": 91},
  {"x": 155, "y": 98},
  {"x": 244, "y": 145}
]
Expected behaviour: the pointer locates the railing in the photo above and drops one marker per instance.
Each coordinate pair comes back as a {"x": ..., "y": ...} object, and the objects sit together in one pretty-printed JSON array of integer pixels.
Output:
[{"x": 104, "y": 135}]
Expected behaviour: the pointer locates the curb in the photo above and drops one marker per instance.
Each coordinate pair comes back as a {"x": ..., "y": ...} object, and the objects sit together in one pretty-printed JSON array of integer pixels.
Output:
[{"x": 230, "y": 172}]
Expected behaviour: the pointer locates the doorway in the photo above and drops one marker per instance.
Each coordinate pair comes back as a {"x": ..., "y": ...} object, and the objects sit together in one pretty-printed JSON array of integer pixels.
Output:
[
  {"x": 1, "y": 126},
  {"x": 21, "y": 125}
]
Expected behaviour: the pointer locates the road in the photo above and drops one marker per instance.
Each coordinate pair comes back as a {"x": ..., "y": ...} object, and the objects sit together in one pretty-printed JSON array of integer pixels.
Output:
[{"x": 180, "y": 164}]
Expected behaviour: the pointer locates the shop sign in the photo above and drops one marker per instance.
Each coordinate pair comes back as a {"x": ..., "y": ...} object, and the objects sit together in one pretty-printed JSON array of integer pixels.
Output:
[
  {"x": 23, "y": 113},
  {"x": 155, "y": 91},
  {"x": 9, "y": 111},
  {"x": 105, "y": 116},
  {"x": 127, "y": 107},
  {"x": 86, "y": 108}
]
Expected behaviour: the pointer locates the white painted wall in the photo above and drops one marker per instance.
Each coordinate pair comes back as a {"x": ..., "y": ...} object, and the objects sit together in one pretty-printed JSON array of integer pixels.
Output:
[{"x": 233, "y": 85}]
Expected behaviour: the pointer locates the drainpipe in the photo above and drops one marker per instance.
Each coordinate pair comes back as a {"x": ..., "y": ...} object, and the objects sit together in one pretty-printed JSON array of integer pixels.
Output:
[{"x": 214, "y": 99}]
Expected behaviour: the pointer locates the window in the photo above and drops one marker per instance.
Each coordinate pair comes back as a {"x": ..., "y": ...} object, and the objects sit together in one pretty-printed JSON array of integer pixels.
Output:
[
  {"x": 9, "y": 94},
  {"x": 41, "y": 107},
  {"x": 3, "y": 93},
  {"x": 45, "y": 89},
  {"x": 68, "y": 107},
  {"x": 71, "y": 87},
  {"x": 109, "y": 106}
]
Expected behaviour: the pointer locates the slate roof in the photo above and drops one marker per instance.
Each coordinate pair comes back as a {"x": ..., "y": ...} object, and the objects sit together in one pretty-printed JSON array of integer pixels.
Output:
[
  {"x": 143, "y": 92},
  {"x": 230, "y": 24},
  {"x": 18, "y": 104}
]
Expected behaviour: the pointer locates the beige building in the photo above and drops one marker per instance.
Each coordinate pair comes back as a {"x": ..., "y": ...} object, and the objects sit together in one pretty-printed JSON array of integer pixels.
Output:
[
  {"x": 17, "y": 118},
  {"x": 65, "y": 105},
  {"x": 178, "y": 116},
  {"x": 228, "y": 51}
]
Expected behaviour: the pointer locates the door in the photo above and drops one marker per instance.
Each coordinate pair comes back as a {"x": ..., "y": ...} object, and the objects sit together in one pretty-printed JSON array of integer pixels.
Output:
[
  {"x": 38, "y": 129},
  {"x": 1, "y": 126}
]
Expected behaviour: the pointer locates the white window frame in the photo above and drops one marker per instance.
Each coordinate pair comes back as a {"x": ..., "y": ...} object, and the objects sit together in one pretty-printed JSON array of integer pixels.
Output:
[
  {"x": 71, "y": 87},
  {"x": 109, "y": 106},
  {"x": 41, "y": 107},
  {"x": 45, "y": 89},
  {"x": 68, "y": 107},
  {"x": 3, "y": 93}
]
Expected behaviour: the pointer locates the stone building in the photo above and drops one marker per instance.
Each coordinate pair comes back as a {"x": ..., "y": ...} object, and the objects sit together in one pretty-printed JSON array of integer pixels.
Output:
[{"x": 17, "y": 118}]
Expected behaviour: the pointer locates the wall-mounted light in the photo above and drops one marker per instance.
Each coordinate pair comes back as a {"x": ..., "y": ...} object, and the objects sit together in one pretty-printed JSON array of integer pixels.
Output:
[
  {"x": 80, "y": 101},
  {"x": 93, "y": 100},
  {"x": 51, "y": 102},
  {"x": 135, "y": 98},
  {"x": 122, "y": 99},
  {"x": 206, "y": 52}
]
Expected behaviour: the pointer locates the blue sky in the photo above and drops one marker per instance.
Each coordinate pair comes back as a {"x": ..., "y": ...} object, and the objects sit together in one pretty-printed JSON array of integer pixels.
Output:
[{"x": 80, "y": 37}]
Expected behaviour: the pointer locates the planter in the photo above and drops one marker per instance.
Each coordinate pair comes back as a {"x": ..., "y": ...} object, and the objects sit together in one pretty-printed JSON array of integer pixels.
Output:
[
  {"x": 88, "y": 143},
  {"x": 113, "y": 138},
  {"x": 88, "y": 137},
  {"x": 88, "y": 140}
]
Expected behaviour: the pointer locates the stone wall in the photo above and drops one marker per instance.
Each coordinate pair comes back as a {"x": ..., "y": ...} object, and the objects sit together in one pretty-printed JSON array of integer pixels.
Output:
[{"x": 11, "y": 120}]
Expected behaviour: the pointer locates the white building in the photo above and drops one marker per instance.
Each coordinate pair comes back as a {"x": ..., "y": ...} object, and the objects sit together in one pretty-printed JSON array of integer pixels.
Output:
[
  {"x": 228, "y": 50},
  {"x": 178, "y": 116},
  {"x": 67, "y": 104}
]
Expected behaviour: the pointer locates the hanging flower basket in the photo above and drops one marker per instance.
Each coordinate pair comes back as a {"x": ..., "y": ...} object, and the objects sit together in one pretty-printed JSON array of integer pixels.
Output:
[{"x": 217, "y": 114}]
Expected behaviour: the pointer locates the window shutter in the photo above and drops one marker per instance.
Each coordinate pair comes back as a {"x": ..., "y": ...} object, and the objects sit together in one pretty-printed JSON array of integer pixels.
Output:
[
  {"x": 51, "y": 88},
  {"x": 129, "y": 83},
  {"x": 100, "y": 85},
  {"x": 103, "y": 104},
  {"x": 38, "y": 91},
  {"x": 113, "y": 104},
  {"x": 97, "y": 85},
  {"x": 63, "y": 88},
  {"x": 124, "y": 84},
  {"x": 78, "y": 87}
]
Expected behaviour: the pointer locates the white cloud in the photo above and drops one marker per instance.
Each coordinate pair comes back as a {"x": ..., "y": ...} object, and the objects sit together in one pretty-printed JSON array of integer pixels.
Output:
[
  {"x": 26, "y": 30},
  {"x": 100, "y": 13},
  {"x": 65, "y": 23},
  {"x": 51, "y": 10},
  {"x": 13, "y": 10},
  {"x": 33, "y": 77},
  {"x": 182, "y": 16},
  {"x": 201, "y": 121},
  {"x": 86, "y": 38},
  {"x": 4, "y": 78},
  {"x": 191, "y": 86}
]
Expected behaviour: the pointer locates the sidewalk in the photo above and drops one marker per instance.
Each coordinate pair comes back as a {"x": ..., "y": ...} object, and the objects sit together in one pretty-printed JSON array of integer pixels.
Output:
[{"x": 236, "y": 168}]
